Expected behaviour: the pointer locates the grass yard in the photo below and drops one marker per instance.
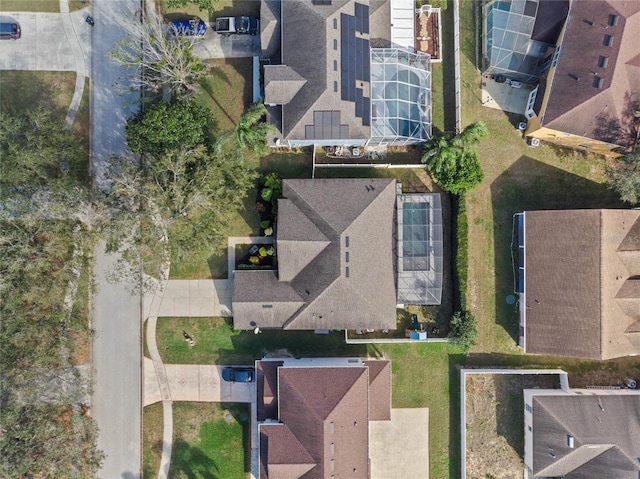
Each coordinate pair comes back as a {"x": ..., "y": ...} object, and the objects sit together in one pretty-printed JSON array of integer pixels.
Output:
[
  {"x": 152, "y": 425},
  {"x": 46, "y": 6},
  {"x": 227, "y": 91},
  {"x": 516, "y": 177},
  {"x": 210, "y": 440},
  {"x": 48, "y": 90}
]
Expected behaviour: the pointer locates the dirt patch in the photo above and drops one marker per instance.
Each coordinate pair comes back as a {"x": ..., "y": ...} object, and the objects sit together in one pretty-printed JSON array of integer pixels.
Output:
[{"x": 495, "y": 422}]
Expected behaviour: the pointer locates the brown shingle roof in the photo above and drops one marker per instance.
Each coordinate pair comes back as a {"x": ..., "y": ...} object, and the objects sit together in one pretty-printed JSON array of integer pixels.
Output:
[
  {"x": 326, "y": 409},
  {"x": 379, "y": 390},
  {"x": 267, "y": 389},
  {"x": 574, "y": 275},
  {"x": 281, "y": 454},
  {"x": 326, "y": 286},
  {"x": 606, "y": 432},
  {"x": 576, "y": 106}
]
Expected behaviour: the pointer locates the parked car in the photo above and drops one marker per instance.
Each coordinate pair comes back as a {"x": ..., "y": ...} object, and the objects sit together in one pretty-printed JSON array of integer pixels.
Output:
[
  {"x": 237, "y": 25},
  {"x": 238, "y": 375},
  {"x": 193, "y": 26},
  {"x": 10, "y": 31}
]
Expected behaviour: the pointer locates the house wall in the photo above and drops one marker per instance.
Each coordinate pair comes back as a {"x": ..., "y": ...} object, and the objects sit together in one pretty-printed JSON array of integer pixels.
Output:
[{"x": 572, "y": 141}]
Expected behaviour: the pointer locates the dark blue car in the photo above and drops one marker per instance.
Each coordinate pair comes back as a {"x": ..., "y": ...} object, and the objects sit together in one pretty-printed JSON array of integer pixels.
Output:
[
  {"x": 194, "y": 26},
  {"x": 238, "y": 375}
]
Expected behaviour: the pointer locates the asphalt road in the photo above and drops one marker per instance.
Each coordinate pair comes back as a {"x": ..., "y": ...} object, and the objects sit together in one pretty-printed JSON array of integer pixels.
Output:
[{"x": 117, "y": 354}]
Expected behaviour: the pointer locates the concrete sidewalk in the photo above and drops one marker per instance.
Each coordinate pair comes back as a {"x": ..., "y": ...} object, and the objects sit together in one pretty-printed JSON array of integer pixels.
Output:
[{"x": 200, "y": 298}]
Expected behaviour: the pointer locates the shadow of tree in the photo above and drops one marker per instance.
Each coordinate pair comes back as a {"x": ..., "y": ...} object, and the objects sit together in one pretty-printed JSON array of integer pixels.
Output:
[
  {"x": 456, "y": 361},
  {"x": 248, "y": 346},
  {"x": 192, "y": 462},
  {"x": 529, "y": 184}
]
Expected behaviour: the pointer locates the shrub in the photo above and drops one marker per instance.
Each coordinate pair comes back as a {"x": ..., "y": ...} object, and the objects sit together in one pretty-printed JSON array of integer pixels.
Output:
[
  {"x": 265, "y": 224},
  {"x": 268, "y": 231},
  {"x": 266, "y": 194},
  {"x": 463, "y": 330},
  {"x": 254, "y": 260}
]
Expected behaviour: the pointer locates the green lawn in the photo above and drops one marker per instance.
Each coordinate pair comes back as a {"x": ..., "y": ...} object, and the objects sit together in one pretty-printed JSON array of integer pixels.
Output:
[
  {"x": 47, "y": 6},
  {"x": 210, "y": 441},
  {"x": 20, "y": 90},
  {"x": 152, "y": 425},
  {"x": 227, "y": 91}
]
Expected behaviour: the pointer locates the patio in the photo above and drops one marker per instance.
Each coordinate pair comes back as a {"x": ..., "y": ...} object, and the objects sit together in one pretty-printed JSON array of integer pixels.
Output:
[{"x": 399, "y": 448}]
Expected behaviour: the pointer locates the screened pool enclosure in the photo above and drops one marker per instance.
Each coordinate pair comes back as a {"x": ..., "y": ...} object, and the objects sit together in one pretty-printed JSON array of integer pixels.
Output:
[
  {"x": 419, "y": 248},
  {"x": 400, "y": 96}
]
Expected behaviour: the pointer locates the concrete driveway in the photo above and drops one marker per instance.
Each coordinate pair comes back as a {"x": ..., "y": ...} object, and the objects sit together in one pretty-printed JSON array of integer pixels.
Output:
[
  {"x": 195, "y": 382},
  {"x": 44, "y": 44},
  {"x": 213, "y": 45}
]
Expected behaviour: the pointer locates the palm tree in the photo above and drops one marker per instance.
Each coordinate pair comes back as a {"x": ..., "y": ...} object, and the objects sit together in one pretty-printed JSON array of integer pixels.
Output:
[
  {"x": 447, "y": 159},
  {"x": 439, "y": 154},
  {"x": 251, "y": 131}
]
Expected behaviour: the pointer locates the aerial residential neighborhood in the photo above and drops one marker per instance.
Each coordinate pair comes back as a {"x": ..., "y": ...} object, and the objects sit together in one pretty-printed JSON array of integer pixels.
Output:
[{"x": 381, "y": 239}]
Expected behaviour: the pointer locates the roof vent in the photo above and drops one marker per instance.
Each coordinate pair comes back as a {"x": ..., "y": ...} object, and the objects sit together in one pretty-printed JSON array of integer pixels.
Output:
[
  {"x": 321, "y": 2},
  {"x": 597, "y": 82},
  {"x": 575, "y": 77},
  {"x": 613, "y": 19},
  {"x": 588, "y": 22},
  {"x": 603, "y": 61},
  {"x": 570, "y": 441},
  {"x": 608, "y": 40}
]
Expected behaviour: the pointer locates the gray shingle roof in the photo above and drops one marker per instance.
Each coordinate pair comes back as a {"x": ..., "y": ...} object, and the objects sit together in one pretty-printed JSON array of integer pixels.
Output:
[
  {"x": 580, "y": 298},
  {"x": 606, "y": 432},
  {"x": 282, "y": 83},
  {"x": 307, "y": 46},
  {"x": 345, "y": 280}
]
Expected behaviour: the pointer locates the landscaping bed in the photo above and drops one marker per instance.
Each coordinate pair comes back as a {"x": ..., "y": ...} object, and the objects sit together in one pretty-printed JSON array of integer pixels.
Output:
[
  {"x": 495, "y": 422},
  {"x": 255, "y": 257}
]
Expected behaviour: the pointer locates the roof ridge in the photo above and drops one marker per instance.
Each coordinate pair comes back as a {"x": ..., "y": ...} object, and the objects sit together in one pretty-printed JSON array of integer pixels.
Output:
[{"x": 555, "y": 469}]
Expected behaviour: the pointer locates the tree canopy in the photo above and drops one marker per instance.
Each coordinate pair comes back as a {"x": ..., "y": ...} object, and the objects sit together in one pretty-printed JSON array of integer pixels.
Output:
[
  {"x": 624, "y": 178},
  {"x": 201, "y": 4},
  {"x": 159, "y": 61},
  {"x": 463, "y": 330},
  {"x": 44, "y": 262},
  {"x": 179, "y": 201},
  {"x": 453, "y": 162},
  {"x": 181, "y": 124}
]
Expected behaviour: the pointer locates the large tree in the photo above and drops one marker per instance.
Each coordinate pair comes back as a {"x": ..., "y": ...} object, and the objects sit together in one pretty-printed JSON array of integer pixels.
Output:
[
  {"x": 178, "y": 202},
  {"x": 452, "y": 161},
  {"x": 624, "y": 178},
  {"x": 181, "y": 124},
  {"x": 159, "y": 60}
]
